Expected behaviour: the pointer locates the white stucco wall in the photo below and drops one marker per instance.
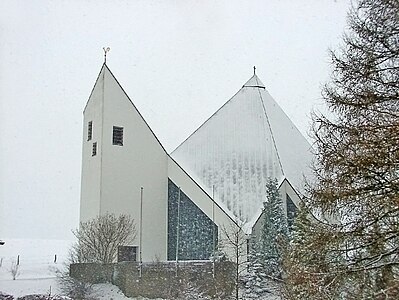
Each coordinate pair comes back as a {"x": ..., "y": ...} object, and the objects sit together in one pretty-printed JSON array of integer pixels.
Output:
[
  {"x": 91, "y": 165},
  {"x": 123, "y": 170}
]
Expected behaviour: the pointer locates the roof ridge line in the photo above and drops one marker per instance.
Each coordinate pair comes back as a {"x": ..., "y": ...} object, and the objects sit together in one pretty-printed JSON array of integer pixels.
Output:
[
  {"x": 203, "y": 123},
  {"x": 98, "y": 76},
  {"x": 136, "y": 109},
  {"x": 271, "y": 133}
]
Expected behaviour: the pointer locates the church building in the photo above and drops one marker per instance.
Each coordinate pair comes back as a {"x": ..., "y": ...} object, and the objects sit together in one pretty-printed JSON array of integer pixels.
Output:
[{"x": 183, "y": 202}]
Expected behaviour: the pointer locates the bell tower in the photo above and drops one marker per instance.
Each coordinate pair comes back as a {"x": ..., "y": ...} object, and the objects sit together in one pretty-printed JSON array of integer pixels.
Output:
[{"x": 120, "y": 158}]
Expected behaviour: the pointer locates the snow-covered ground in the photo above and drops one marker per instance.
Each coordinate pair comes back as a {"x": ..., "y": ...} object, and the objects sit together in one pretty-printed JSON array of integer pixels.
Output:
[
  {"x": 37, "y": 258},
  {"x": 22, "y": 287},
  {"x": 37, "y": 261}
]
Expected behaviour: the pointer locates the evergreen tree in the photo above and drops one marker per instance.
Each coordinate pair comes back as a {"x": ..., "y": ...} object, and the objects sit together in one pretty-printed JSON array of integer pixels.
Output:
[
  {"x": 274, "y": 230},
  {"x": 256, "y": 281},
  {"x": 302, "y": 262},
  {"x": 266, "y": 252},
  {"x": 355, "y": 197}
]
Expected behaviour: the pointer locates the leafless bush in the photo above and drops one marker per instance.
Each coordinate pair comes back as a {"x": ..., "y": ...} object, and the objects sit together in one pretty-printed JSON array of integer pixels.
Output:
[
  {"x": 235, "y": 243},
  {"x": 97, "y": 241},
  {"x": 77, "y": 289},
  {"x": 99, "y": 238},
  {"x": 14, "y": 269}
]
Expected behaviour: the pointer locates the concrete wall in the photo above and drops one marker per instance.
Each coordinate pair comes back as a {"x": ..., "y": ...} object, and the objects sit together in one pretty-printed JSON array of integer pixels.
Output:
[{"x": 92, "y": 272}]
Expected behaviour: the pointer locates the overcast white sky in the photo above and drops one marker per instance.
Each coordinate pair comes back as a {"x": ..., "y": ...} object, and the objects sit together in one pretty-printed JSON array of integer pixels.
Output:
[{"x": 178, "y": 61}]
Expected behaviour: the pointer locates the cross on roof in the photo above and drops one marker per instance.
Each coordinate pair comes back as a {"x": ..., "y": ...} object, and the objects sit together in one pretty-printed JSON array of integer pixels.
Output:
[
  {"x": 254, "y": 70},
  {"x": 106, "y": 50}
]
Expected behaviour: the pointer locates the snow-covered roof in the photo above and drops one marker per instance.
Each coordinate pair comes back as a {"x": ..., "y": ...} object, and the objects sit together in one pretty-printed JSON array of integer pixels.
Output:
[
  {"x": 254, "y": 81},
  {"x": 246, "y": 141}
]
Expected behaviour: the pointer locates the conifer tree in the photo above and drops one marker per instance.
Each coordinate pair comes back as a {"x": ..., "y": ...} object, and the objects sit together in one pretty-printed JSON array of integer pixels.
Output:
[
  {"x": 355, "y": 196},
  {"x": 266, "y": 252},
  {"x": 274, "y": 230}
]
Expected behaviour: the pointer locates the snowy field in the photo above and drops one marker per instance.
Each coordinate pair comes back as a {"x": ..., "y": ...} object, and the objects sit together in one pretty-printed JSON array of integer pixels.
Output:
[{"x": 37, "y": 261}]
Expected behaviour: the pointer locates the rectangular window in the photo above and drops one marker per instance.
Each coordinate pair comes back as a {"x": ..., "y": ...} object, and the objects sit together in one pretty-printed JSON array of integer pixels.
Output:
[
  {"x": 117, "y": 136},
  {"x": 291, "y": 212},
  {"x": 127, "y": 253},
  {"x": 89, "y": 130},
  {"x": 94, "y": 151}
]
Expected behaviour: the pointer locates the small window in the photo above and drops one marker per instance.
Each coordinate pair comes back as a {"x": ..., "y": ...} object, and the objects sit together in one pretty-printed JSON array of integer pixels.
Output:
[
  {"x": 127, "y": 253},
  {"x": 291, "y": 212},
  {"x": 89, "y": 130},
  {"x": 117, "y": 136},
  {"x": 94, "y": 151}
]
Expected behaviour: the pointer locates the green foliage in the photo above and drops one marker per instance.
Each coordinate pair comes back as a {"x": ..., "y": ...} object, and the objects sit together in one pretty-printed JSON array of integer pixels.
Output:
[
  {"x": 266, "y": 252},
  {"x": 274, "y": 231}
]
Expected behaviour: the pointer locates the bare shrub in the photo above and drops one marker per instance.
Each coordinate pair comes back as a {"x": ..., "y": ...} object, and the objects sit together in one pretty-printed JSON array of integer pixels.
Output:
[
  {"x": 14, "y": 269},
  {"x": 99, "y": 238},
  {"x": 77, "y": 289},
  {"x": 235, "y": 243},
  {"x": 97, "y": 241}
]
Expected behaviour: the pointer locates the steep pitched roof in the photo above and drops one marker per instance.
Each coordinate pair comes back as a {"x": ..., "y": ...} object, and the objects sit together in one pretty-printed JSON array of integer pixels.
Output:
[
  {"x": 106, "y": 78},
  {"x": 254, "y": 81},
  {"x": 246, "y": 141}
]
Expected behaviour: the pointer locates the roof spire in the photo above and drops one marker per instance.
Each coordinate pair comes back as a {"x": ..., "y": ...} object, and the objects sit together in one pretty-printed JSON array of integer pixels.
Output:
[
  {"x": 254, "y": 70},
  {"x": 106, "y": 50}
]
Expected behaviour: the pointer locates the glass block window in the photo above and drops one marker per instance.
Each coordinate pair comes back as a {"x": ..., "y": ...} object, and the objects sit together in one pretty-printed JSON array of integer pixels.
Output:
[
  {"x": 117, "y": 136},
  {"x": 127, "y": 253},
  {"x": 197, "y": 232},
  {"x": 291, "y": 212},
  {"x": 94, "y": 150},
  {"x": 89, "y": 130}
]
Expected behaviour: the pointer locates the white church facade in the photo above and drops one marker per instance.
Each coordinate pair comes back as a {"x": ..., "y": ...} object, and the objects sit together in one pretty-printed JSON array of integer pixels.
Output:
[{"x": 215, "y": 179}]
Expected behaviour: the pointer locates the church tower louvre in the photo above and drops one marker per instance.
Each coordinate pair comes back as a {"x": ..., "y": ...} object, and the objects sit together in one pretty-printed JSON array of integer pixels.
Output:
[{"x": 122, "y": 163}]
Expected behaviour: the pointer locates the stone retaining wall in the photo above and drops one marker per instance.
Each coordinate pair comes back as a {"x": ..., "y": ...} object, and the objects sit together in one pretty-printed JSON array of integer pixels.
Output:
[{"x": 160, "y": 279}]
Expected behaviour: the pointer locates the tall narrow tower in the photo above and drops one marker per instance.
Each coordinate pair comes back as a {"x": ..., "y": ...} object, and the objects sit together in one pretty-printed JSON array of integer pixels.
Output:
[{"x": 121, "y": 156}]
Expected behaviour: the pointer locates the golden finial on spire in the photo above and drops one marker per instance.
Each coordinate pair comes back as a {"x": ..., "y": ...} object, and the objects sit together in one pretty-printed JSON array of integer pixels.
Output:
[{"x": 106, "y": 50}]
